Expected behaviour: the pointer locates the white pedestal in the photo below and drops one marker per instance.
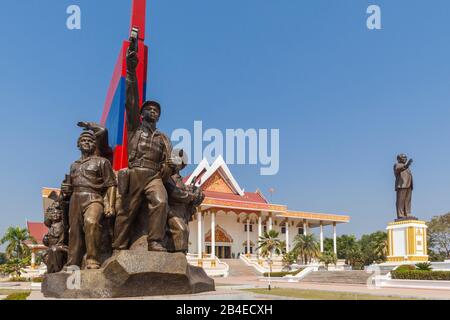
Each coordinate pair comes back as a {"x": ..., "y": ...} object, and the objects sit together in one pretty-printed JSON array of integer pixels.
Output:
[{"x": 407, "y": 241}]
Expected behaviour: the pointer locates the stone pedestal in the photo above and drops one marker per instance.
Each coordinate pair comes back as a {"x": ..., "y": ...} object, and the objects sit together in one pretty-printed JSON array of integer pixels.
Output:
[
  {"x": 407, "y": 241},
  {"x": 131, "y": 274}
]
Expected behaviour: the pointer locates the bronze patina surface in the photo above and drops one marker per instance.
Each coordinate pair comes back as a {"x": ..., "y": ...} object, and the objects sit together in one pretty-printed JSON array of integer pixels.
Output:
[
  {"x": 403, "y": 187},
  {"x": 142, "y": 213},
  {"x": 149, "y": 165}
]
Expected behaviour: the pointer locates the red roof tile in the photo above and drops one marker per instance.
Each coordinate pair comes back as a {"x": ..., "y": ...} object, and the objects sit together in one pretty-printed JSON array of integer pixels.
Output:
[
  {"x": 37, "y": 230},
  {"x": 247, "y": 197}
]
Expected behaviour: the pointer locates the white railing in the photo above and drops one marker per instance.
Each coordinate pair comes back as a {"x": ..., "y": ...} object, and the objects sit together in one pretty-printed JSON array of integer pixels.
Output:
[
  {"x": 302, "y": 274},
  {"x": 213, "y": 266},
  {"x": 261, "y": 265},
  {"x": 441, "y": 266},
  {"x": 253, "y": 264}
]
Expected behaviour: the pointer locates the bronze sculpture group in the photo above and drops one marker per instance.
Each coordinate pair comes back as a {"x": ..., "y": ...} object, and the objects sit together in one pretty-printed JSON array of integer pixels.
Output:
[{"x": 98, "y": 213}]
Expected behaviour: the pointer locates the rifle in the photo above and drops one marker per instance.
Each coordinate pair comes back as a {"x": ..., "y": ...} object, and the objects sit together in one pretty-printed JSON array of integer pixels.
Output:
[{"x": 134, "y": 39}]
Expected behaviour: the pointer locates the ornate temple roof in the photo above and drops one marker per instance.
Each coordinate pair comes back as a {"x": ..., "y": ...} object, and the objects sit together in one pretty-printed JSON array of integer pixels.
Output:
[
  {"x": 223, "y": 192},
  {"x": 37, "y": 230}
]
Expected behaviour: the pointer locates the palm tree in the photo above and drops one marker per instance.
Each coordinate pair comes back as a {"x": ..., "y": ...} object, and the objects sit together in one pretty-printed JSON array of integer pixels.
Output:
[
  {"x": 374, "y": 247},
  {"x": 268, "y": 245},
  {"x": 16, "y": 237},
  {"x": 328, "y": 257},
  {"x": 354, "y": 257},
  {"x": 307, "y": 247},
  {"x": 289, "y": 258},
  {"x": 381, "y": 245},
  {"x": 345, "y": 245}
]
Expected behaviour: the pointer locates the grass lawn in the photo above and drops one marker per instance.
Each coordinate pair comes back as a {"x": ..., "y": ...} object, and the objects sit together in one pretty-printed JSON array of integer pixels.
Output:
[
  {"x": 321, "y": 295},
  {"x": 15, "y": 294}
]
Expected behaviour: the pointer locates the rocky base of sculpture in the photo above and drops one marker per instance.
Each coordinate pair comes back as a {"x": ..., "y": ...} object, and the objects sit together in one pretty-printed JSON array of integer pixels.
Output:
[{"x": 131, "y": 274}]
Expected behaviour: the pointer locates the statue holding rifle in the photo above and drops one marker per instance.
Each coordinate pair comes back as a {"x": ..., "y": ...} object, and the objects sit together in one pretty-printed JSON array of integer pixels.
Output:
[{"x": 141, "y": 185}]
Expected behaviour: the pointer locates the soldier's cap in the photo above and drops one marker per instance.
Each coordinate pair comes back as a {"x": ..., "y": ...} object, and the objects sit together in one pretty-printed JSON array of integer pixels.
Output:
[
  {"x": 148, "y": 104},
  {"x": 180, "y": 157},
  {"x": 88, "y": 134},
  {"x": 401, "y": 155}
]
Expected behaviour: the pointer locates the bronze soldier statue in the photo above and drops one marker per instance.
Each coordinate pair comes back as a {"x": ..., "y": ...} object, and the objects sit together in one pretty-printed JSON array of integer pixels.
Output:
[
  {"x": 403, "y": 186},
  {"x": 183, "y": 202},
  {"x": 101, "y": 137},
  {"x": 56, "y": 255},
  {"x": 93, "y": 189},
  {"x": 141, "y": 184}
]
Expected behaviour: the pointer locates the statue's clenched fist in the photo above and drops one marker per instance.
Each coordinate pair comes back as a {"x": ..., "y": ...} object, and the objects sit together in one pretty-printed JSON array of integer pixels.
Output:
[{"x": 132, "y": 60}]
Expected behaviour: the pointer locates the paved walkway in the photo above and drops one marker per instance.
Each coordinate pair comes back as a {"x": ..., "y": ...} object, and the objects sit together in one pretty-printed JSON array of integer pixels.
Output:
[
  {"x": 219, "y": 294},
  {"x": 247, "y": 281},
  {"x": 228, "y": 289},
  {"x": 15, "y": 285}
]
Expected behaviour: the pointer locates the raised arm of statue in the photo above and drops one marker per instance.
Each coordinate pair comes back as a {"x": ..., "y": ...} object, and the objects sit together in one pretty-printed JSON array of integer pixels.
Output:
[
  {"x": 400, "y": 167},
  {"x": 101, "y": 135},
  {"x": 132, "y": 92}
]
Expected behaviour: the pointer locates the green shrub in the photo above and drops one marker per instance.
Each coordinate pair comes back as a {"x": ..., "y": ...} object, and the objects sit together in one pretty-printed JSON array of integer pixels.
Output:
[
  {"x": 18, "y": 295},
  {"x": 282, "y": 274},
  {"x": 426, "y": 266},
  {"x": 328, "y": 257},
  {"x": 421, "y": 275},
  {"x": 37, "y": 279},
  {"x": 19, "y": 279},
  {"x": 406, "y": 267}
]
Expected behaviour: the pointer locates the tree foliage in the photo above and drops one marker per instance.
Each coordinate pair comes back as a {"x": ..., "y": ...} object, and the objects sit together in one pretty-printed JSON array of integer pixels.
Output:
[
  {"x": 3, "y": 258},
  {"x": 15, "y": 238},
  {"x": 290, "y": 257},
  {"x": 370, "y": 248},
  {"x": 328, "y": 257},
  {"x": 374, "y": 247},
  {"x": 307, "y": 247},
  {"x": 269, "y": 244},
  {"x": 439, "y": 237},
  {"x": 14, "y": 267}
]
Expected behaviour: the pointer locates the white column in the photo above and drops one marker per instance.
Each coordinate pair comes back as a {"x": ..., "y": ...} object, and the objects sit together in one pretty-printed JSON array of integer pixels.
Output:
[
  {"x": 287, "y": 236},
  {"x": 213, "y": 235},
  {"x": 334, "y": 238},
  {"x": 203, "y": 234},
  {"x": 321, "y": 236},
  {"x": 33, "y": 259},
  {"x": 199, "y": 234},
  {"x": 259, "y": 231},
  {"x": 248, "y": 236},
  {"x": 270, "y": 222},
  {"x": 305, "y": 228}
]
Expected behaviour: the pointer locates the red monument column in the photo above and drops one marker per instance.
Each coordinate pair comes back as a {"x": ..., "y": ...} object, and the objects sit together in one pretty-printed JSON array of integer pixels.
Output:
[{"x": 114, "y": 109}]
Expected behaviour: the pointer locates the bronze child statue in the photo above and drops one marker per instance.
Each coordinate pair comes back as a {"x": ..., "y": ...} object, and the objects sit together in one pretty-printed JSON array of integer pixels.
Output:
[
  {"x": 183, "y": 203},
  {"x": 56, "y": 255}
]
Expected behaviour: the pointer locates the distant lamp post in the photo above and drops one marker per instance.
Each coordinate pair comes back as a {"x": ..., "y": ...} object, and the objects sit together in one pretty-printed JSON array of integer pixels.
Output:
[
  {"x": 269, "y": 262},
  {"x": 271, "y": 191}
]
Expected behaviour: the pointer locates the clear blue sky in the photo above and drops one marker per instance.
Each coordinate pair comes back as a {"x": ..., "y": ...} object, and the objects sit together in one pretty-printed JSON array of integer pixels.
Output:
[{"x": 346, "y": 99}]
